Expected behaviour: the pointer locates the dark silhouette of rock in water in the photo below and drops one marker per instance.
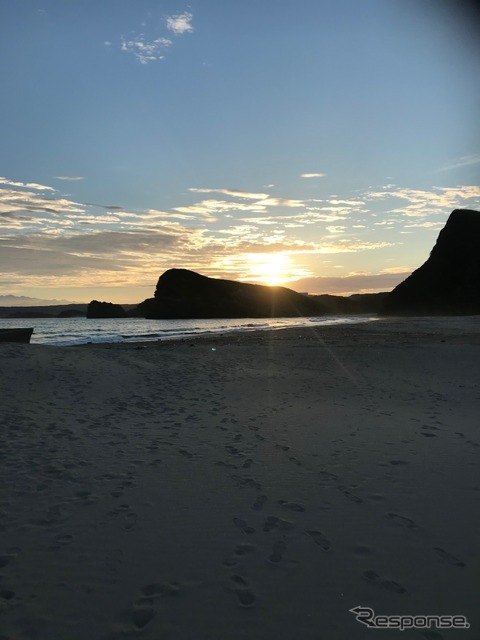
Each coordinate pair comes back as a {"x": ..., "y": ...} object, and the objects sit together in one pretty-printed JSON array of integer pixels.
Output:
[
  {"x": 449, "y": 281},
  {"x": 98, "y": 309},
  {"x": 181, "y": 293}
]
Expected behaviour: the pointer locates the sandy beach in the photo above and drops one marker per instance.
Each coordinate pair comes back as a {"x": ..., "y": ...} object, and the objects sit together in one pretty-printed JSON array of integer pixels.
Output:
[{"x": 254, "y": 486}]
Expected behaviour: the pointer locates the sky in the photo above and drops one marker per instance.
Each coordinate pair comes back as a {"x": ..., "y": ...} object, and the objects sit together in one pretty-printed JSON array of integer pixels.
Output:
[{"x": 315, "y": 144}]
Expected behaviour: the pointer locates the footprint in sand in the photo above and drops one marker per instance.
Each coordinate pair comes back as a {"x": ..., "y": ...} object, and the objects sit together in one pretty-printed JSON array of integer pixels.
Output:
[
  {"x": 243, "y": 526},
  {"x": 274, "y": 523},
  {"x": 319, "y": 538},
  {"x": 327, "y": 479},
  {"x": 156, "y": 589},
  {"x": 242, "y": 590},
  {"x": 228, "y": 465},
  {"x": 62, "y": 541},
  {"x": 401, "y": 521},
  {"x": 130, "y": 520},
  {"x": 295, "y": 461},
  {"x": 373, "y": 578},
  {"x": 278, "y": 549},
  {"x": 350, "y": 496},
  {"x": 291, "y": 506},
  {"x": 448, "y": 557},
  {"x": 142, "y": 616},
  {"x": 259, "y": 502},
  {"x": 245, "y": 480}
]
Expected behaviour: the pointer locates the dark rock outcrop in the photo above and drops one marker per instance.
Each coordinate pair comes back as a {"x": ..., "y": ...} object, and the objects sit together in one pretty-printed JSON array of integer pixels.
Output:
[
  {"x": 98, "y": 309},
  {"x": 181, "y": 293},
  {"x": 72, "y": 313},
  {"x": 448, "y": 283}
]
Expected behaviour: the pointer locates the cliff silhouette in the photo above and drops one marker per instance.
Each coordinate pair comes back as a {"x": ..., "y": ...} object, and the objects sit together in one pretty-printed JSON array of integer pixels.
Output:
[
  {"x": 448, "y": 283},
  {"x": 181, "y": 293}
]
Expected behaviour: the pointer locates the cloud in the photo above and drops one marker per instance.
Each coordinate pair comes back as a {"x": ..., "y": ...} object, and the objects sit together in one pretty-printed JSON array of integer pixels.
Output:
[
  {"x": 109, "y": 207},
  {"x": 26, "y": 185},
  {"x": 438, "y": 200},
  {"x": 232, "y": 192},
  {"x": 313, "y": 175},
  {"x": 146, "y": 51},
  {"x": 78, "y": 243},
  {"x": 282, "y": 202},
  {"x": 336, "y": 229},
  {"x": 180, "y": 23},
  {"x": 44, "y": 262},
  {"x": 262, "y": 202},
  {"x": 432, "y": 225},
  {"x": 209, "y": 208},
  {"x": 352, "y": 246},
  {"x": 70, "y": 178},
  {"x": 350, "y": 203},
  {"x": 16, "y": 201},
  {"x": 463, "y": 161}
]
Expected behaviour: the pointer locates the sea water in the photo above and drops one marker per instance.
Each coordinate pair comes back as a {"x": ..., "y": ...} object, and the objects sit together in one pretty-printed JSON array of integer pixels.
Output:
[{"x": 71, "y": 331}]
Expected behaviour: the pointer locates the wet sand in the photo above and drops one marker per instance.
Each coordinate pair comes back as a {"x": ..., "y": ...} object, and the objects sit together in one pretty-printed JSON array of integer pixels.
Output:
[{"x": 242, "y": 487}]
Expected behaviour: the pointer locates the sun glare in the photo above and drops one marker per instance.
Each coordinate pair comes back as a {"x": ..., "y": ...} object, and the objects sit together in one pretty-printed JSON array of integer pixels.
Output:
[{"x": 272, "y": 269}]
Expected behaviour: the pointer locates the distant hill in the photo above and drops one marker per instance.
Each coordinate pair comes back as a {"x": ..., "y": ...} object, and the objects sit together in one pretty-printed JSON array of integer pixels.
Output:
[
  {"x": 55, "y": 311},
  {"x": 181, "y": 293},
  {"x": 48, "y": 311},
  {"x": 26, "y": 301},
  {"x": 355, "y": 304},
  {"x": 448, "y": 283}
]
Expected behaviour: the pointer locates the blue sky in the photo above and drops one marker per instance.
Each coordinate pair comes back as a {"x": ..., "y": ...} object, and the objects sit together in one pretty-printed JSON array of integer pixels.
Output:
[{"x": 312, "y": 143}]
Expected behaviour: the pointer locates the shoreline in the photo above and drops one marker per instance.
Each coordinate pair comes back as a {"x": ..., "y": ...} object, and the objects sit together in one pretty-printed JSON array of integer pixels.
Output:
[
  {"x": 248, "y": 487},
  {"x": 453, "y": 328}
]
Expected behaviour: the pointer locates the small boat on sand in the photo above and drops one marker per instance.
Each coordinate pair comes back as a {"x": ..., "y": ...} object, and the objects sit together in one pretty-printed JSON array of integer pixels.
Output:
[{"x": 16, "y": 335}]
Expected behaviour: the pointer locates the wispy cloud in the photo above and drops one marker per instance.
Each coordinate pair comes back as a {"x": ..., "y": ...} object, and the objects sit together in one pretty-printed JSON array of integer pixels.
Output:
[
  {"x": 180, "y": 23},
  {"x": 144, "y": 50},
  {"x": 463, "y": 161},
  {"x": 232, "y": 192},
  {"x": 55, "y": 241},
  {"x": 260, "y": 202},
  {"x": 148, "y": 49},
  {"x": 26, "y": 185},
  {"x": 313, "y": 175},
  {"x": 352, "y": 246},
  {"x": 282, "y": 202},
  {"x": 16, "y": 200},
  {"x": 336, "y": 229},
  {"x": 73, "y": 178},
  {"x": 422, "y": 203}
]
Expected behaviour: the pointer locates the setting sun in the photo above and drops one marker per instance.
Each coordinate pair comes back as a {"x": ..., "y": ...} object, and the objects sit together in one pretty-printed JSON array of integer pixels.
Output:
[{"x": 272, "y": 269}]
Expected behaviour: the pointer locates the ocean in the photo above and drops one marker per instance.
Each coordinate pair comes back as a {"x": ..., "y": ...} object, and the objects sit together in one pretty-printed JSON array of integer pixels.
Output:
[{"x": 72, "y": 331}]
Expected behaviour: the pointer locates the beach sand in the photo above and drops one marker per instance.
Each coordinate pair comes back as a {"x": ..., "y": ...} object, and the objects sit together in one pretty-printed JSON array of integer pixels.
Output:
[{"x": 253, "y": 486}]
